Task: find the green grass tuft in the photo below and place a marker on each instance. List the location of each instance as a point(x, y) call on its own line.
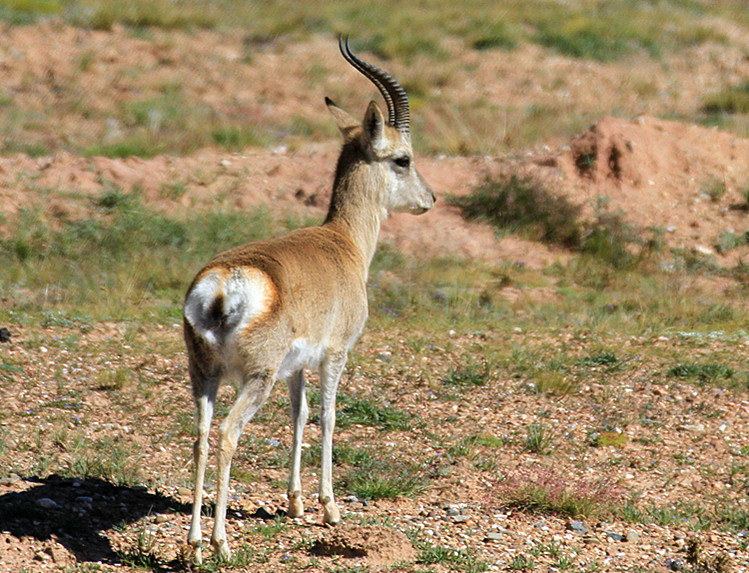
point(539, 439)
point(734, 99)
point(714, 188)
point(705, 373)
point(381, 478)
point(472, 373)
point(521, 563)
point(449, 558)
point(141, 554)
point(236, 138)
point(368, 412)
point(522, 205)
point(137, 146)
point(106, 459)
point(728, 240)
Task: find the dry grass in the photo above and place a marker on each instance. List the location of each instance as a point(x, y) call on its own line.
point(145, 108)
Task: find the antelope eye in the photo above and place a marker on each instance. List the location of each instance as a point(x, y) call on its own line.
point(403, 161)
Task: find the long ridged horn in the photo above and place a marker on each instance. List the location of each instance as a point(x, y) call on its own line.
point(399, 114)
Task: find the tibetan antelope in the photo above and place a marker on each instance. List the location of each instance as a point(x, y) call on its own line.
point(269, 309)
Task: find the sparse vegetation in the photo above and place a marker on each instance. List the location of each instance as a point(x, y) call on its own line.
point(141, 555)
point(368, 413)
point(145, 114)
point(469, 374)
point(608, 438)
point(539, 439)
point(734, 99)
point(744, 193)
point(714, 188)
point(549, 492)
point(729, 240)
point(130, 236)
point(381, 478)
point(521, 563)
point(521, 205)
point(454, 560)
point(706, 373)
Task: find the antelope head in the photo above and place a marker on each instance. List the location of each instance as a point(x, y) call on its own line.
point(385, 145)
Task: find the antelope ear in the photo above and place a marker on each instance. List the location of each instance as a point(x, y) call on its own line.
point(374, 127)
point(346, 124)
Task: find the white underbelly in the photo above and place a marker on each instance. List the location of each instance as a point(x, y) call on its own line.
point(302, 354)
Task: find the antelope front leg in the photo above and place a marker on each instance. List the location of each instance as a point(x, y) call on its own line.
point(252, 395)
point(299, 415)
point(330, 374)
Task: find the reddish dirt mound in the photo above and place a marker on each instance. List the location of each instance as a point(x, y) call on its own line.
point(659, 173)
point(650, 152)
point(380, 546)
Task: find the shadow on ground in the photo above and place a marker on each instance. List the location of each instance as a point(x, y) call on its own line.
point(78, 510)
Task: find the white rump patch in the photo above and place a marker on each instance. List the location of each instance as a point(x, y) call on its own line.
point(245, 293)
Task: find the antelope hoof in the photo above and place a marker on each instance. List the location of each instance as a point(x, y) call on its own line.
point(331, 513)
point(222, 549)
point(193, 553)
point(296, 505)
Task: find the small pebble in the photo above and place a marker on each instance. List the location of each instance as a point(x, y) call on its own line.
point(633, 536)
point(696, 428)
point(578, 527)
point(47, 503)
point(460, 518)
